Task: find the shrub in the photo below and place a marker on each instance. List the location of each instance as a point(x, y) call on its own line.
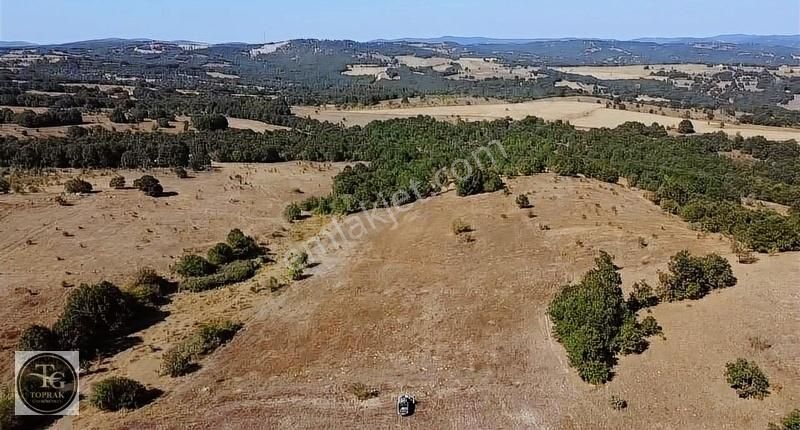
point(37, 338)
point(210, 122)
point(220, 254)
point(213, 335)
point(91, 314)
point(292, 212)
point(193, 265)
point(77, 186)
point(300, 260)
point(117, 182)
point(117, 393)
point(631, 339)
point(243, 246)
point(492, 182)
point(148, 288)
point(5, 186)
point(694, 277)
point(362, 392)
point(163, 123)
point(618, 403)
point(642, 297)
point(522, 201)
point(180, 360)
point(295, 272)
point(650, 327)
point(686, 127)
point(747, 379)
point(155, 190)
point(237, 271)
point(145, 182)
point(460, 226)
point(181, 173)
point(790, 422)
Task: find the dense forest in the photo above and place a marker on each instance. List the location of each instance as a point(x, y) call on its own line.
point(688, 176)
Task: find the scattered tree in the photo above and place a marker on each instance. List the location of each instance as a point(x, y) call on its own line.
point(747, 379)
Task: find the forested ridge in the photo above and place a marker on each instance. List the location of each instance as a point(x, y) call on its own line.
point(688, 176)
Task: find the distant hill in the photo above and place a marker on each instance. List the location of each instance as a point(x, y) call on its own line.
point(15, 44)
point(468, 40)
point(792, 41)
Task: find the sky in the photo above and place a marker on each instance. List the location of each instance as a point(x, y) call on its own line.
point(59, 21)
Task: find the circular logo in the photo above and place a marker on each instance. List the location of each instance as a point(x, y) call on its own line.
point(47, 383)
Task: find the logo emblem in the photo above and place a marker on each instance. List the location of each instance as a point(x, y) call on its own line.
point(46, 383)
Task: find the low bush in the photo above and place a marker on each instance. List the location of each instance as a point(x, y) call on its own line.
point(295, 272)
point(231, 273)
point(117, 393)
point(522, 201)
point(631, 338)
point(149, 185)
point(747, 379)
point(650, 327)
point(790, 422)
point(37, 338)
point(292, 212)
point(5, 186)
point(693, 277)
point(363, 392)
point(182, 358)
point(642, 296)
point(148, 288)
point(300, 259)
point(618, 403)
point(92, 315)
point(117, 182)
point(243, 246)
point(193, 266)
point(176, 362)
point(686, 127)
point(460, 226)
point(220, 254)
point(181, 173)
point(77, 186)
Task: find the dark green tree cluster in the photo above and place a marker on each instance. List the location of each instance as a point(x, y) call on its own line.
point(51, 118)
point(692, 278)
point(593, 322)
point(211, 122)
point(235, 260)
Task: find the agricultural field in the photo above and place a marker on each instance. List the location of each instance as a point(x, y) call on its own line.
point(582, 113)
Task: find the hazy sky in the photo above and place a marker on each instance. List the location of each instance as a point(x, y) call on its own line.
point(52, 21)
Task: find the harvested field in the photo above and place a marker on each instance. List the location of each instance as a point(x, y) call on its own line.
point(257, 126)
point(471, 68)
point(46, 249)
point(407, 309)
point(639, 72)
point(579, 113)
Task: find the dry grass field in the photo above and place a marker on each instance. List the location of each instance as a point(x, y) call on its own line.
point(472, 68)
point(47, 249)
point(639, 72)
point(580, 112)
point(412, 308)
